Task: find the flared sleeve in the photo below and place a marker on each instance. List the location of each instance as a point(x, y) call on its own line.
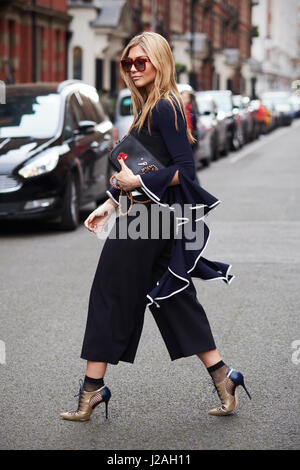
point(114, 194)
point(191, 204)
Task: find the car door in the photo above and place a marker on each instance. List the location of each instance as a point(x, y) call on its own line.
point(79, 143)
point(98, 143)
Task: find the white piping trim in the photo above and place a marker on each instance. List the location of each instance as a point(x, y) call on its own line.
point(193, 277)
point(111, 196)
point(147, 189)
point(185, 220)
point(197, 259)
point(157, 200)
point(219, 277)
point(206, 205)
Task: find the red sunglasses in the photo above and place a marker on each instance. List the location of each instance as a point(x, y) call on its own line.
point(139, 63)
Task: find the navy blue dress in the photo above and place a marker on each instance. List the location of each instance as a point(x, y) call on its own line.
point(157, 273)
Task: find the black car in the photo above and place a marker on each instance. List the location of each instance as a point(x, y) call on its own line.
point(54, 147)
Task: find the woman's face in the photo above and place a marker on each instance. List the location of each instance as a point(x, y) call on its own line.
point(141, 79)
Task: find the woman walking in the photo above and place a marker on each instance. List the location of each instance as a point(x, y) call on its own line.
point(154, 271)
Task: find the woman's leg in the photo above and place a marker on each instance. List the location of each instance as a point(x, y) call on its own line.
point(95, 370)
point(210, 358)
point(94, 375)
point(214, 365)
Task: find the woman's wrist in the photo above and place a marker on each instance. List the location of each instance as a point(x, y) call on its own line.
point(137, 181)
point(111, 202)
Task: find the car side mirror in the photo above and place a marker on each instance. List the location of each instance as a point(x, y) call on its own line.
point(85, 127)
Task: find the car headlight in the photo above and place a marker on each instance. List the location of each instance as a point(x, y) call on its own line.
point(45, 163)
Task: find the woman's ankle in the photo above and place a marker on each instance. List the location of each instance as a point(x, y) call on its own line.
point(90, 384)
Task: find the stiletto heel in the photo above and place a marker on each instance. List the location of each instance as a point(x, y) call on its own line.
point(238, 379)
point(228, 392)
point(106, 394)
point(87, 402)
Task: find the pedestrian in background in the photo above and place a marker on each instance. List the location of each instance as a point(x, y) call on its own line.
point(260, 117)
point(158, 270)
point(191, 117)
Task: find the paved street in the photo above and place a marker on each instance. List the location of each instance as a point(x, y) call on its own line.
point(46, 276)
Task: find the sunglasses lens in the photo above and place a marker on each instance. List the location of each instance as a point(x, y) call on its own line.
point(140, 65)
point(126, 65)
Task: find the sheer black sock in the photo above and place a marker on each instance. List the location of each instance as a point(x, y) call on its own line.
point(90, 384)
point(218, 374)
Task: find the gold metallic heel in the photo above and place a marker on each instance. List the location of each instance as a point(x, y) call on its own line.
point(87, 402)
point(229, 402)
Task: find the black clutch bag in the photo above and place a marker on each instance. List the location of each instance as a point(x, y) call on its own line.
point(137, 158)
point(135, 155)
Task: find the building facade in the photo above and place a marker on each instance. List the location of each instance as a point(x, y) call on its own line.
point(210, 39)
point(276, 49)
point(49, 40)
point(33, 37)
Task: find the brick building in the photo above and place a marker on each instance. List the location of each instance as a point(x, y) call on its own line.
point(210, 39)
point(33, 35)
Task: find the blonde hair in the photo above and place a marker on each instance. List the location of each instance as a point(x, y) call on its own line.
point(159, 52)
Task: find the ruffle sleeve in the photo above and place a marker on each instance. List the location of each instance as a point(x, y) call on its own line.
point(191, 204)
point(114, 194)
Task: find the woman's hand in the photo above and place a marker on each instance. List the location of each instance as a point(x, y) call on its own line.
point(127, 180)
point(99, 217)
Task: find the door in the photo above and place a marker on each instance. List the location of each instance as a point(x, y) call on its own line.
point(99, 142)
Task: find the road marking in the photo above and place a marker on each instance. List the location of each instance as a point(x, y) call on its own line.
point(266, 140)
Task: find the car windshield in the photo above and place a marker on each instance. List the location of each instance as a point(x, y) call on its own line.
point(223, 101)
point(30, 115)
point(126, 106)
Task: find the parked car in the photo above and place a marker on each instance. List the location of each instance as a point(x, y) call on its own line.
point(242, 104)
point(54, 148)
point(223, 99)
point(124, 117)
point(207, 146)
point(123, 113)
point(295, 102)
point(211, 119)
point(281, 102)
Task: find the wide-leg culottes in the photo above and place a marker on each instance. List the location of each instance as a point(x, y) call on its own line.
point(127, 270)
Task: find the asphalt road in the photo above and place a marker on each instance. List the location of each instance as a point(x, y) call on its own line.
point(46, 277)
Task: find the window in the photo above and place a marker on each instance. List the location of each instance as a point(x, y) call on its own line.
point(77, 109)
point(77, 63)
point(30, 115)
point(88, 108)
point(70, 123)
point(126, 106)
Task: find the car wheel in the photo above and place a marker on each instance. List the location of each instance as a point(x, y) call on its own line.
point(216, 151)
point(235, 143)
point(70, 215)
